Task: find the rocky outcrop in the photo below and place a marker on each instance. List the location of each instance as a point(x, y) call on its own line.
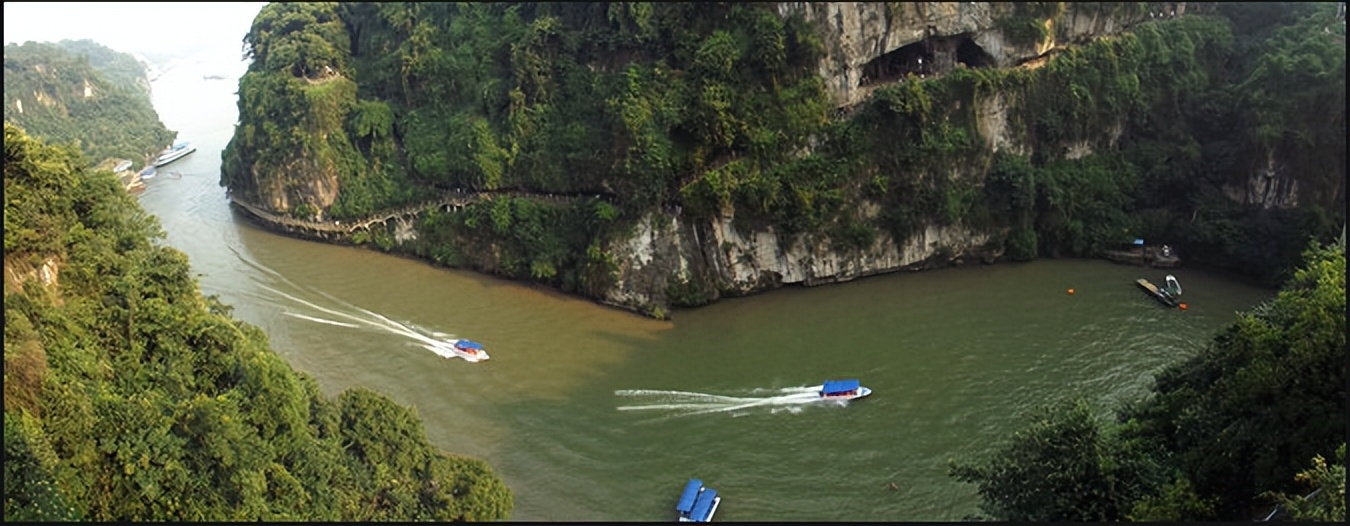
point(19, 272)
point(668, 250)
point(859, 37)
point(1273, 187)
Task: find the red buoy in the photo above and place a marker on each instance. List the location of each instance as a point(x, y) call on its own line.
point(1070, 292)
point(1182, 306)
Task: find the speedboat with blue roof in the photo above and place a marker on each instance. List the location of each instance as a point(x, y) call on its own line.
point(843, 390)
point(697, 503)
point(470, 350)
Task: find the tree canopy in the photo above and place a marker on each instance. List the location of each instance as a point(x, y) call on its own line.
point(1224, 434)
point(83, 93)
point(129, 396)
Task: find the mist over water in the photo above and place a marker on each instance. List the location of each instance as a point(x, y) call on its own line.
point(594, 414)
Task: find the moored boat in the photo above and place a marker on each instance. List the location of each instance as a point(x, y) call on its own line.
point(697, 503)
point(1161, 295)
point(174, 153)
point(843, 390)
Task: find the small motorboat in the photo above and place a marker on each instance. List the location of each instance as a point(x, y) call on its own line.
point(1162, 295)
point(470, 350)
point(843, 390)
point(697, 503)
point(1173, 287)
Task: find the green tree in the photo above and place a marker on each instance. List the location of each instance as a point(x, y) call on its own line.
point(131, 397)
point(1063, 467)
point(1326, 501)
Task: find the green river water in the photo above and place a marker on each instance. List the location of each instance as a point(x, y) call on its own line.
point(591, 413)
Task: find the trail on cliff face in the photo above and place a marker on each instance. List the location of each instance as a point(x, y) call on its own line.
point(684, 403)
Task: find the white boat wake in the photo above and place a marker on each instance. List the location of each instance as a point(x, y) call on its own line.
point(320, 320)
point(437, 342)
point(684, 403)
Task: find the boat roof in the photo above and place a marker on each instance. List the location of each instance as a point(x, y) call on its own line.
point(469, 344)
point(839, 386)
point(687, 498)
point(180, 144)
point(703, 505)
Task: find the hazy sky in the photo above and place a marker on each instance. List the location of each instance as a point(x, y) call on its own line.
point(158, 28)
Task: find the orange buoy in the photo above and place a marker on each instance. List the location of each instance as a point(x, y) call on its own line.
point(1183, 306)
point(1070, 292)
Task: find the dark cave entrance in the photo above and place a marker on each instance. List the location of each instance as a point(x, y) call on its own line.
point(913, 58)
point(972, 55)
point(930, 56)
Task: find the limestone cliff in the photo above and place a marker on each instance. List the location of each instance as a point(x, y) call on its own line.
point(664, 155)
point(862, 39)
point(669, 252)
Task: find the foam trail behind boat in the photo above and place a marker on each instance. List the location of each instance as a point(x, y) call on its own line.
point(377, 321)
point(684, 403)
point(320, 320)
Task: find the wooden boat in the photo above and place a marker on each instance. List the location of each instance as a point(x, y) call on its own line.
point(1161, 295)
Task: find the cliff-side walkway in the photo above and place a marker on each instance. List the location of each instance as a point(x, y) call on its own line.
point(339, 228)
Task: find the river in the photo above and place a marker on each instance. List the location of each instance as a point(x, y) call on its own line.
point(591, 413)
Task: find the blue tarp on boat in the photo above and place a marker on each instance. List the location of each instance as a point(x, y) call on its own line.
point(703, 505)
point(469, 344)
point(686, 503)
point(839, 386)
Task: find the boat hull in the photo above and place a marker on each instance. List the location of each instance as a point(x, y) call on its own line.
point(862, 392)
point(174, 156)
point(478, 356)
point(1158, 294)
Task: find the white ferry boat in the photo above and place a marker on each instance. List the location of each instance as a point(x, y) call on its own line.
point(174, 153)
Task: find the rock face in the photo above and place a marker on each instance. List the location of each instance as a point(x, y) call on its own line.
point(668, 249)
point(930, 38)
point(866, 45)
point(671, 258)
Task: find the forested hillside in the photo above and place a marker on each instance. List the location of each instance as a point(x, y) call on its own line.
point(1221, 132)
point(84, 93)
point(1248, 423)
point(128, 396)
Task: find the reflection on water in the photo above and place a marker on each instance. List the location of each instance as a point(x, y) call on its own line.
point(955, 359)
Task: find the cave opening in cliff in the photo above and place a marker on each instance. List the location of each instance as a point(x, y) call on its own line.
point(892, 66)
point(972, 55)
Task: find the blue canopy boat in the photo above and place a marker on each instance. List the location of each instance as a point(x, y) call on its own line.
point(697, 504)
point(843, 389)
point(471, 350)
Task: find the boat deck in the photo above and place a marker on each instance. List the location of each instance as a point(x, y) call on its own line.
point(1156, 292)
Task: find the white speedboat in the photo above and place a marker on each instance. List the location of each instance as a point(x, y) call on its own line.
point(174, 153)
point(469, 350)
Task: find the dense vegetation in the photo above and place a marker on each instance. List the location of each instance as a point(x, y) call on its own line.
point(709, 106)
point(84, 93)
point(128, 396)
point(1245, 424)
